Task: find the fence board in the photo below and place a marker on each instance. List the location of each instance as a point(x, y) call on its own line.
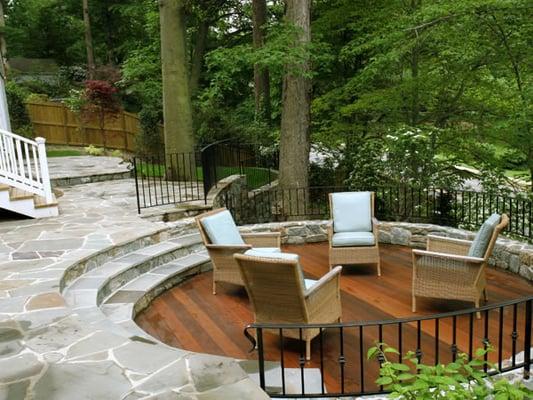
point(59, 125)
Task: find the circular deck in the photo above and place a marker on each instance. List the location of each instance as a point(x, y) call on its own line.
point(190, 317)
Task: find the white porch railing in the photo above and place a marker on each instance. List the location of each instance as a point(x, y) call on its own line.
point(23, 164)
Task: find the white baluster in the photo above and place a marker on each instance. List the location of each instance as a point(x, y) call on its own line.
point(43, 163)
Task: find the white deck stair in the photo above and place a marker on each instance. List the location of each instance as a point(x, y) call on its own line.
point(24, 179)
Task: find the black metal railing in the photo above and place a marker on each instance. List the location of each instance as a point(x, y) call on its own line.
point(183, 177)
point(168, 179)
point(339, 351)
point(456, 208)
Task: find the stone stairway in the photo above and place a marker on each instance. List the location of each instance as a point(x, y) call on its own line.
point(124, 285)
point(26, 203)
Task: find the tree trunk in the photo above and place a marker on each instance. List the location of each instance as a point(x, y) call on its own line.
point(177, 111)
point(296, 115)
point(261, 76)
point(198, 55)
point(3, 47)
point(88, 39)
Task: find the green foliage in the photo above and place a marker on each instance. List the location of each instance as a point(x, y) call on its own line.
point(461, 379)
point(16, 102)
point(94, 151)
point(149, 142)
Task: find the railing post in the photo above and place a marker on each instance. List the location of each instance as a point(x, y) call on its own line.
point(43, 166)
point(527, 341)
point(261, 358)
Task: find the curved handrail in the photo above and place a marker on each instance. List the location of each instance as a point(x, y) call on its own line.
point(18, 137)
point(391, 321)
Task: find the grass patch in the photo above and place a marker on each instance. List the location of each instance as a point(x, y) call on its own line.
point(63, 153)
point(256, 177)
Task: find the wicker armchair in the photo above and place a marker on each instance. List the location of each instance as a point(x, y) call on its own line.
point(279, 293)
point(445, 270)
point(353, 233)
point(222, 246)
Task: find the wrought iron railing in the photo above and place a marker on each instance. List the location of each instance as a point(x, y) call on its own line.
point(339, 351)
point(456, 208)
point(183, 177)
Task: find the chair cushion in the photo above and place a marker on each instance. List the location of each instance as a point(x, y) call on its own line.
point(308, 283)
point(352, 212)
point(268, 249)
point(258, 252)
point(221, 229)
point(482, 239)
point(348, 239)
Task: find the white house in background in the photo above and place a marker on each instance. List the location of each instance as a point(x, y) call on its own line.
point(24, 179)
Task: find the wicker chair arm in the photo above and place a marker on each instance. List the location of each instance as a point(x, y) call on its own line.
point(446, 256)
point(441, 244)
point(262, 239)
point(323, 300)
point(228, 247)
point(331, 276)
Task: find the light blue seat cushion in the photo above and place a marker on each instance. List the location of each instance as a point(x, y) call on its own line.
point(308, 283)
point(256, 252)
point(268, 249)
point(352, 212)
point(352, 239)
point(221, 229)
point(482, 239)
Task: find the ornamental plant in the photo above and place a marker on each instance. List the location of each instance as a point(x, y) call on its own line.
point(461, 379)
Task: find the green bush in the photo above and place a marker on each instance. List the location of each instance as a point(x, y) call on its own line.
point(94, 151)
point(149, 141)
point(461, 379)
point(18, 114)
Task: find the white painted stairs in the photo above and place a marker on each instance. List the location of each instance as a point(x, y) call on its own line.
point(26, 203)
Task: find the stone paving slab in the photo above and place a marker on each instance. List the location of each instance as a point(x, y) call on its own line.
point(57, 347)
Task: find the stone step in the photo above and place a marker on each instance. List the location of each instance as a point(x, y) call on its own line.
point(91, 288)
point(293, 382)
point(124, 304)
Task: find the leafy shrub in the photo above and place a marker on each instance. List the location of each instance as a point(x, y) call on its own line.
point(102, 94)
point(94, 151)
point(20, 119)
point(461, 379)
point(149, 141)
point(76, 100)
point(116, 153)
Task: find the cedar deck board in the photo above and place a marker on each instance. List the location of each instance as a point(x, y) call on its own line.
point(189, 316)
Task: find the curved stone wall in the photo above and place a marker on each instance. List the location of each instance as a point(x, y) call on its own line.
point(508, 254)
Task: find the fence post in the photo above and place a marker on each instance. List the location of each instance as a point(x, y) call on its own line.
point(206, 172)
point(43, 165)
point(136, 185)
point(261, 357)
point(527, 341)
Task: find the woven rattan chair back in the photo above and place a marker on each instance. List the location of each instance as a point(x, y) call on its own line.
point(275, 288)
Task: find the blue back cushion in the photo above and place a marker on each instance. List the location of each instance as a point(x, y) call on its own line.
point(481, 241)
point(221, 228)
point(352, 212)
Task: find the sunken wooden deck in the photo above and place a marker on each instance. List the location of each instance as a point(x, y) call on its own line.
point(191, 317)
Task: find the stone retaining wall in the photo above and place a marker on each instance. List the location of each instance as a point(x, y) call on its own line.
point(508, 254)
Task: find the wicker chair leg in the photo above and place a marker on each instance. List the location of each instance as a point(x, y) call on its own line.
point(414, 303)
point(379, 267)
point(214, 286)
point(308, 349)
point(485, 295)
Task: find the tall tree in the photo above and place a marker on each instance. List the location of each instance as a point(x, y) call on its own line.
point(296, 113)
point(177, 111)
point(88, 39)
point(3, 46)
point(261, 75)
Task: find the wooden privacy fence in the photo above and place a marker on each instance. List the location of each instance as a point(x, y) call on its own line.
point(59, 125)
